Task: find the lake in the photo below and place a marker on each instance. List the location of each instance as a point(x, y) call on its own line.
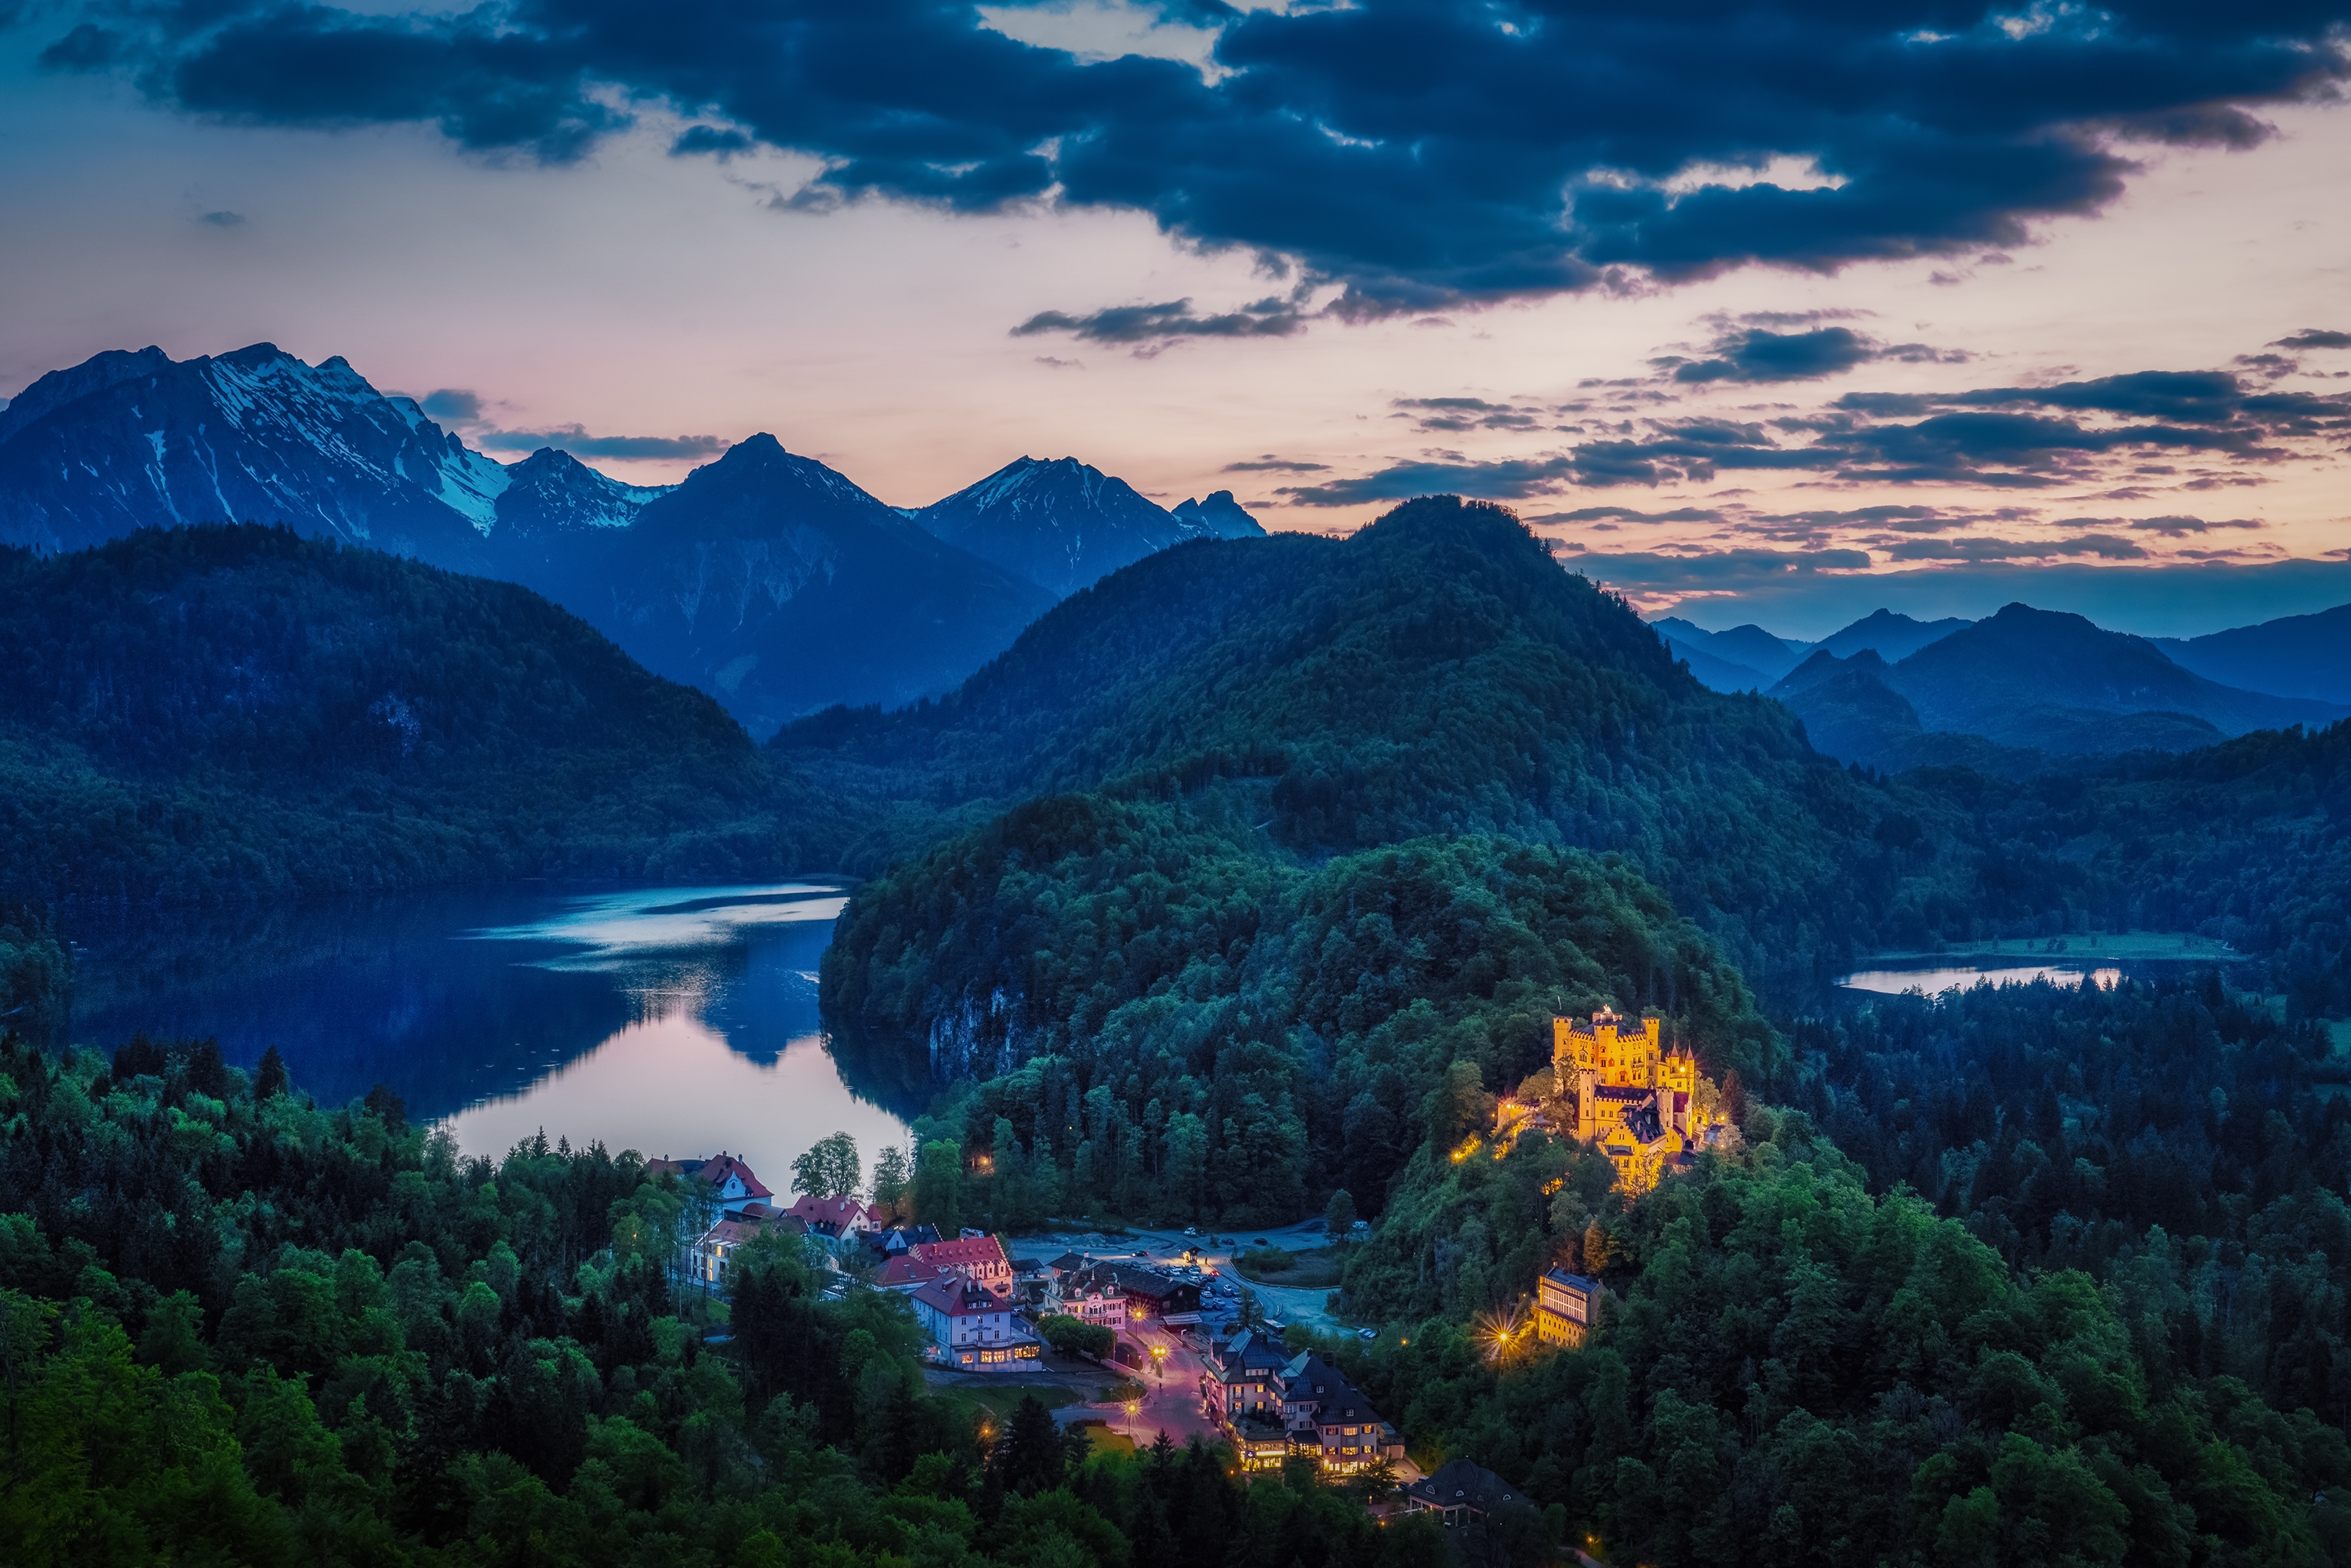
point(675, 1022)
point(1935, 982)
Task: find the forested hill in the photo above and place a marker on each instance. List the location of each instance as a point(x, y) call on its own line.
point(1435, 673)
point(230, 711)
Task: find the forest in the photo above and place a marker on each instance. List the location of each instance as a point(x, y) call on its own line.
point(221, 713)
point(239, 1327)
point(1243, 881)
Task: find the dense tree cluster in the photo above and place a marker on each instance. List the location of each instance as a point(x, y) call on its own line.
point(1197, 1032)
point(237, 1327)
point(1798, 1371)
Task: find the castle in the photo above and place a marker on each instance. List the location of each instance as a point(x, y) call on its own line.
point(1638, 1101)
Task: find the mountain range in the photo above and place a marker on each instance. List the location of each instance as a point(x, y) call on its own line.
point(1748, 658)
point(2009, 693)
point(767, 580)
point(1065, 525)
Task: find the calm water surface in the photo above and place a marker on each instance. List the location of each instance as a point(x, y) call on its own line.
point(677, 1021)
point(1935, 982)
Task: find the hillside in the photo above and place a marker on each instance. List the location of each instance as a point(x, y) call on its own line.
point(2025, 691)
point(1434, 673)
point(2024, 675)
point(226, 712)
point(2296, 656)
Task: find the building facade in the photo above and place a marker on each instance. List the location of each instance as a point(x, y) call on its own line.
point(970, 1325)
point(1564, 1304)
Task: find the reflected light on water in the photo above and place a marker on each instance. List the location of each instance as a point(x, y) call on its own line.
point(1935, 982)
point(688, 1094)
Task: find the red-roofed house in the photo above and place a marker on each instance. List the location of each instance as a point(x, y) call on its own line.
point(833, 1216)
point(905, 1275)
point(970, 1325)
point(730, 1181)
point(980, 1258)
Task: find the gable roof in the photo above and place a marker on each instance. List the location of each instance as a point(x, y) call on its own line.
point(836, 1212)
point(958, 1297)
point(1325, 1387)
point(1458, 1483)
point(964, 1252)
point(712, 1172)
point(904, 1271)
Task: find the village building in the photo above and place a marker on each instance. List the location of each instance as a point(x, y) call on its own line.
point(978, 1258)
point(1242, 1380)
point(727, 1180)
point(905, 1275)
point(1564, 1304)
point(970, 1325)
point(1271, 1409)
point(1152, 1294)
point(1460, 1493)
point(885, 1244)
point(714, 1250)
point(833, 1218)
point(1329, 1419)
point(1086, 1291)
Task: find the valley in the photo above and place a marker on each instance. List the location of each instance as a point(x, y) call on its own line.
point(1250, 879)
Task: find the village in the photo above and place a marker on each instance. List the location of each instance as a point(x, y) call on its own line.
point(1194, 1349)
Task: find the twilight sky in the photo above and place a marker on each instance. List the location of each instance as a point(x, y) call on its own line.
point(1776, 311)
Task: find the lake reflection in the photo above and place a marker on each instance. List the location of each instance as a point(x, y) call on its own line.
point(1935, 982)
point(671, 1020)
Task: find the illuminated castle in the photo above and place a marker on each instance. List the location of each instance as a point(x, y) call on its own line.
point(1638, 1101)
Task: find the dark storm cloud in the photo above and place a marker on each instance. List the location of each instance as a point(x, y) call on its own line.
point(1715, 570)
point(1511, 479)
point(452, 404)
point(1421, 154)
point(2014, 439)
point(1757, 355)
point(1153, 326)
point(1269, 464)
point(576, 440)
point(223, 219)
point(2105, 547)
point(1629, 515)
point(715, 141)
point(2315, 338)
point(1457, 413)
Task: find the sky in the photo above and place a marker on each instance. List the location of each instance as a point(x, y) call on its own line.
point(1774, 312)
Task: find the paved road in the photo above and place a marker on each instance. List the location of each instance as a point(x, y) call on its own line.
point(1172, 1403)
point(1290, 1304)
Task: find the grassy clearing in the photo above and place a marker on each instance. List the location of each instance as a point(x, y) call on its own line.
point(1291, 1271)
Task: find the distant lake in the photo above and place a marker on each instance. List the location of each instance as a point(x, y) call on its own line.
point(676, 1020)
point(1935, 982)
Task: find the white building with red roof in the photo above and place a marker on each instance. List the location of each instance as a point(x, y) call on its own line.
point(730, 1180)
point(970, 1325)
point(978, 1258)
point(833, 1216)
